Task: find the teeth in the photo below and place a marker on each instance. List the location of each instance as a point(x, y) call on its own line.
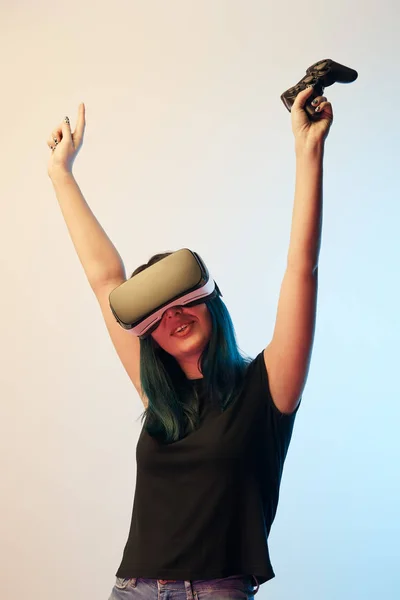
point(181, 328)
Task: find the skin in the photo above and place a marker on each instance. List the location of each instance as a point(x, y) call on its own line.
point(288, 355)
point(187, 350)
point(299, 281)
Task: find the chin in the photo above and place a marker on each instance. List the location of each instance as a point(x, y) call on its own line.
point(189, 345)
point(193, 345)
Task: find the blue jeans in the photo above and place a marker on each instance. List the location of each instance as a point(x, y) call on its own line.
point(237, 587)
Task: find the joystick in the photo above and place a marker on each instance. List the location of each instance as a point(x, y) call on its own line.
point(320, 75)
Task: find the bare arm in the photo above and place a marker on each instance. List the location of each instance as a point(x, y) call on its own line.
point(288, 356)
point(98, 256)
point(103, 267)
point(100, 260)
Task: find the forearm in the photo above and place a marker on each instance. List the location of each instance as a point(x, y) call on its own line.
point(97, 254)
point(305, 236)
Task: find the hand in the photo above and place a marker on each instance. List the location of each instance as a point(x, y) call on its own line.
point(307, 133)
point(66, 144)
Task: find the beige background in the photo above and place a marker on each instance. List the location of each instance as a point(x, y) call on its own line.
point(188, 144)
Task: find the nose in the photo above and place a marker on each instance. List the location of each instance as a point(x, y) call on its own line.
point(172, 311)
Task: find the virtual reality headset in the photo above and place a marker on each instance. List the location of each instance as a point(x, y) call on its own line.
point(180, 279)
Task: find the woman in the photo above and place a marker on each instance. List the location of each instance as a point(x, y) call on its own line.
point(210, 455)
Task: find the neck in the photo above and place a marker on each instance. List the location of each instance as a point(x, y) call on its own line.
point(190, 367)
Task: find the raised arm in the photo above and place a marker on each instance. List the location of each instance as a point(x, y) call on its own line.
point(100, 260)
point(288, 355)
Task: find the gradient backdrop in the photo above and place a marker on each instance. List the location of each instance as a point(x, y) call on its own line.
point(188, 144)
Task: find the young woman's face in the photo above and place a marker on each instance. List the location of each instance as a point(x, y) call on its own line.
point(185, 345)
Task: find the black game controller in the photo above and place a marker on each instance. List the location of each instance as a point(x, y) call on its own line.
point(320, 75)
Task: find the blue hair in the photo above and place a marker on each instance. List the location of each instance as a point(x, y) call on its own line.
point(173, 402)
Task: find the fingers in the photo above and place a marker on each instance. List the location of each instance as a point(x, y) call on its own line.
point(318, 100)
point(64, 130)
point(80, 124)
point(302, 98)
point(318, 103)
point(322, 106)
point(55, 138)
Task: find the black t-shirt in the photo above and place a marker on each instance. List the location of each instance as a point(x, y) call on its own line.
point(204, 505)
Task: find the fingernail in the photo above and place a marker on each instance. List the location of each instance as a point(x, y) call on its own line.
point(315, 101)
point(66, 120)
point(318, 109)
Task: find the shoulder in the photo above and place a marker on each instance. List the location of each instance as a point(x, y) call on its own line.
point(278, 384)
point(262, 381)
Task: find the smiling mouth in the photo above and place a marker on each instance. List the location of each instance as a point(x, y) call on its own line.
point(182, 329)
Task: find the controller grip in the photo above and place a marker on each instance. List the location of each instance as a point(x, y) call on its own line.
point(320, 75)
point(288, 100)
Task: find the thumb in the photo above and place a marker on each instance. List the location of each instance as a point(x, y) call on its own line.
point(302, 98)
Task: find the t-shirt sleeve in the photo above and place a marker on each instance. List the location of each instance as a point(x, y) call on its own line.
point(279, 425)
point(262, 378)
